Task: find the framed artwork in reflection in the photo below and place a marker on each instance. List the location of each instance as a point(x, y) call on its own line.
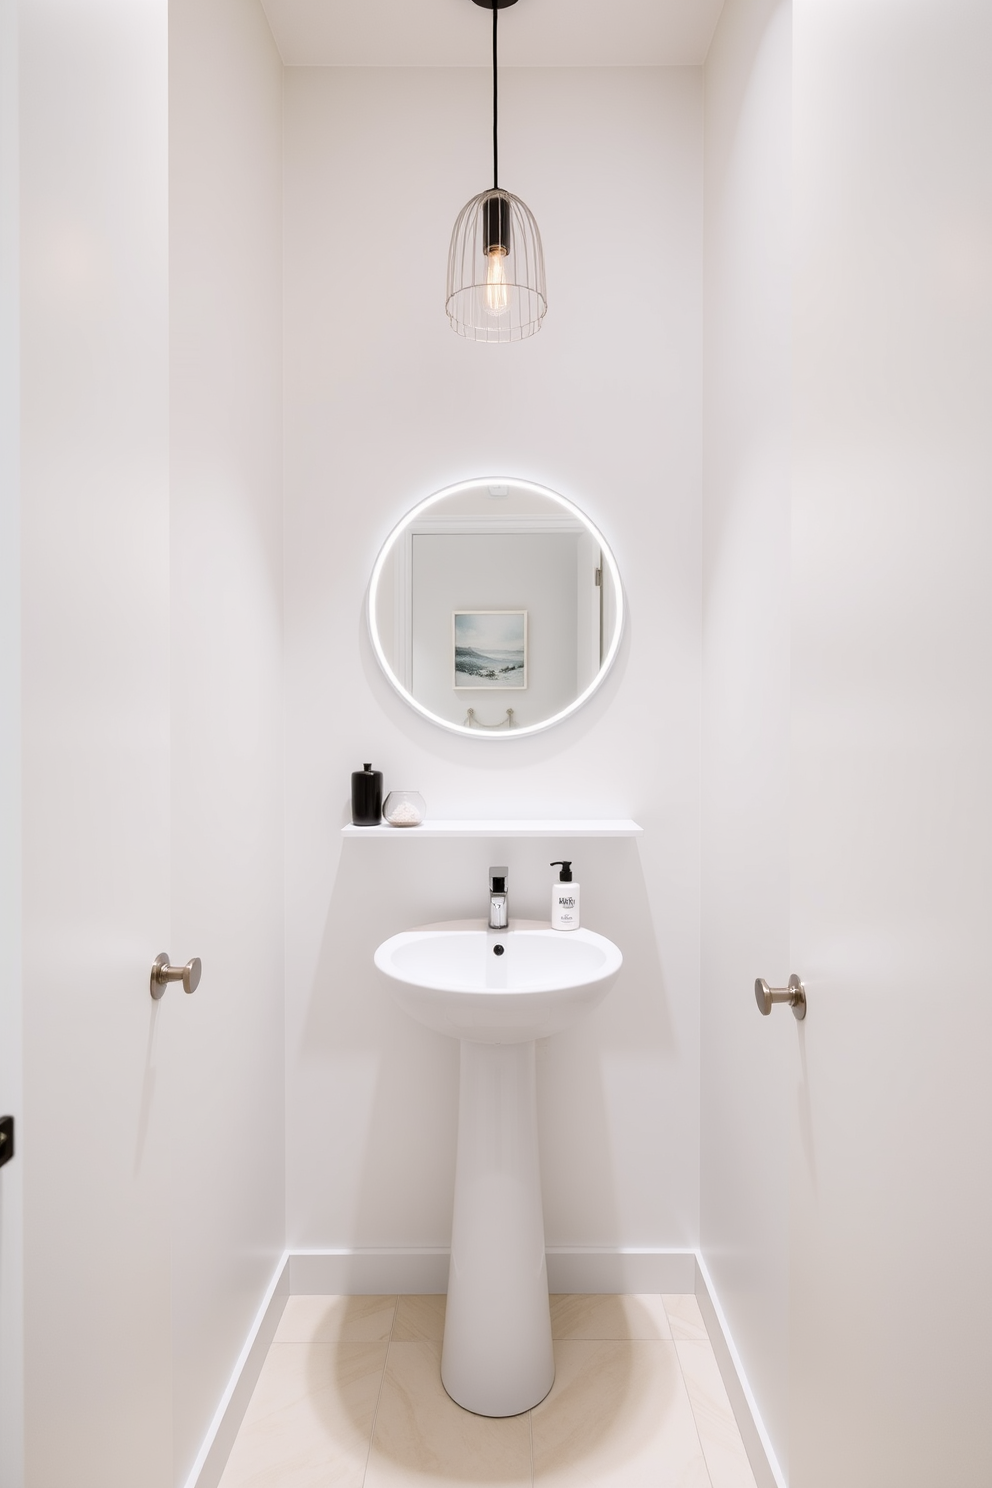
point(489, 650)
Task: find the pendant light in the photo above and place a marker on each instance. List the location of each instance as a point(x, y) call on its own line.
point(496, 289)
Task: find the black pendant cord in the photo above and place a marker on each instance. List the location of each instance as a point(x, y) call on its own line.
point(495, 100)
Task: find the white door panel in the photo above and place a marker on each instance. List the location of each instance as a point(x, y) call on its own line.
point(891, 869)
point(95, 570)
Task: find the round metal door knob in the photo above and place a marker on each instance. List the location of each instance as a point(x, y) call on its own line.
point(163, 974)
point(794, 996)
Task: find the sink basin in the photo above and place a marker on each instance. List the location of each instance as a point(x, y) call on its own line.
point(497, 991)
point(498, 986)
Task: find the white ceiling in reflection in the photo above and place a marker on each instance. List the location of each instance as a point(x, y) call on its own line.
point(456, 33)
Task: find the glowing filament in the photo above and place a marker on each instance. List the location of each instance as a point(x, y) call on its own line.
point(497, 291)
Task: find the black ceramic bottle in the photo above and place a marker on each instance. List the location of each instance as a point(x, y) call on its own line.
point(366, 797)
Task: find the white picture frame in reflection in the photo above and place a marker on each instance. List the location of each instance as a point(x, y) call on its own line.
point(489, 650)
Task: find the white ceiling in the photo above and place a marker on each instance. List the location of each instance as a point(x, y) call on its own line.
point(457, 33)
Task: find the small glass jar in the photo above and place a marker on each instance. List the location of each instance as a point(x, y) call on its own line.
point(404, 808)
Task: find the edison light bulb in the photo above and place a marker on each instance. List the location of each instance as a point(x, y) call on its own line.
point(497, 292)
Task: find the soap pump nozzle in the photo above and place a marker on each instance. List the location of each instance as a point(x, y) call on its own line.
point(565, 876)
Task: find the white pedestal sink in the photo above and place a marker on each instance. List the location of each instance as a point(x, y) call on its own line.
point(497, 991)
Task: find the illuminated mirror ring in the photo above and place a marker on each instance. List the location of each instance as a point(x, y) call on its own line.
point(495, 608)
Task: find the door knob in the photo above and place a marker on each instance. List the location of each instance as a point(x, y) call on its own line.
point(794, 995)
point(163, 974)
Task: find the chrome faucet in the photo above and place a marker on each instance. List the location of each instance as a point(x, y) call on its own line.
point(499, 917)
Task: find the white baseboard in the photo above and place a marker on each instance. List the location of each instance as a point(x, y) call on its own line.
point(757, 1443)
point(358, 1273)
point(570, 1269)
point(208, 1468)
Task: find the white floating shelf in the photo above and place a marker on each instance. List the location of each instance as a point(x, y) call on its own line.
point(531, 827)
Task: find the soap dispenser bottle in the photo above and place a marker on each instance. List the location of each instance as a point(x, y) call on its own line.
point(564, 900)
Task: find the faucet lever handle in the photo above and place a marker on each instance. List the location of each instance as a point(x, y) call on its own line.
point(497, 879)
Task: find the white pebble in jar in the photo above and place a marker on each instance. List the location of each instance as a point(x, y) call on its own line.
point(404, 808)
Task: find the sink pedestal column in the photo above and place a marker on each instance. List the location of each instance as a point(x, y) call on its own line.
point(497, 1358)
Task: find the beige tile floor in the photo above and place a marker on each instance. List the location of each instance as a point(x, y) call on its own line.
point(350, 1396)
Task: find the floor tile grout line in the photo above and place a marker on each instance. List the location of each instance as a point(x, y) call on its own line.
point(685, 1384)
point(382, 1381)
point(729, 1418)
point(692, 1406)
point(533, 1464)
point(692, 1411)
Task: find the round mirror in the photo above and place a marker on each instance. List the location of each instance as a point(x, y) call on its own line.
point(495, 608)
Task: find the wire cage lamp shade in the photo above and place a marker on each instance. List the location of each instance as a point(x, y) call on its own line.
point(496, 289)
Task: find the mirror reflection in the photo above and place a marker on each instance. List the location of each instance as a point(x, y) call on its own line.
point(495, 607)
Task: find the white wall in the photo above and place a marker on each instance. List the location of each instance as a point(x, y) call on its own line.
point(95, 574)
point(746, 1068)
point(227, 1130)
point(892, 738)
point(384, 405)
point(11, 1037)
